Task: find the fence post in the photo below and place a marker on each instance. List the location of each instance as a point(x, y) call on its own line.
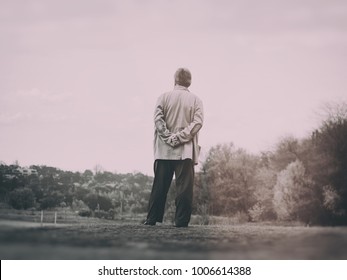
point(55, 218)
point(41, 218)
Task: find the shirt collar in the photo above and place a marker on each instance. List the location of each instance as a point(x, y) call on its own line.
point(179, 87)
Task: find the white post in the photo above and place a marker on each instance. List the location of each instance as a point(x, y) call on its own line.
point(55, 217)
point(41, 217)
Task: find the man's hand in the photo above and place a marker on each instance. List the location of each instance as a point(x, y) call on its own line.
point(173, 141)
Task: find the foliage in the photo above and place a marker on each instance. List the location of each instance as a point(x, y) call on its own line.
point(264, 182)
point(85, 213)
point(52, 188)
point(22, 198)
point(98, 202)
point(51, 201)
point(109, 215)
point(229, 176)
point(294, 197)
point(287, 151)
point(201, 198)
point(330, 143)
point(332, 200)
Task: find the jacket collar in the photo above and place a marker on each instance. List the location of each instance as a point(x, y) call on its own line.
point(179, 87)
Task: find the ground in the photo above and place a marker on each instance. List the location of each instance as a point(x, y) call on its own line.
point(131, 240)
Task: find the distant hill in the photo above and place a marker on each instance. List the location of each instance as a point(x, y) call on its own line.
point(44, 187)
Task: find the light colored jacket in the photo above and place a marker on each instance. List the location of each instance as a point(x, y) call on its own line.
point(179, 114)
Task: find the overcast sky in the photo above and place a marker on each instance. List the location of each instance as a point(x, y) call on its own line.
point(79, 79)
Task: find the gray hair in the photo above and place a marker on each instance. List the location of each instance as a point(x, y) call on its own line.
point(183, 77)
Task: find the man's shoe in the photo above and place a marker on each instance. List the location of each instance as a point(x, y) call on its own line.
point(179, 226)
point(149, 223)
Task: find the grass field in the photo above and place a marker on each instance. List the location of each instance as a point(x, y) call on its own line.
point(102, 239)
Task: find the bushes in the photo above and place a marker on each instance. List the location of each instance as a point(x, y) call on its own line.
point(22, 198)
point(85, 213)
point(98, 202)
point(109, 215)
point(52, 200)
point(294, 197)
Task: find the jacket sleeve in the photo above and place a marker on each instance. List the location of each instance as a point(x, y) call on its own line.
point(167, 136)
point(193, 128)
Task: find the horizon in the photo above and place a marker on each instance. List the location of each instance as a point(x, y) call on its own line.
point(197, 169)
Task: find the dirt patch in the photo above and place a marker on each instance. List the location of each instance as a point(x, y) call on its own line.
point(110, 240)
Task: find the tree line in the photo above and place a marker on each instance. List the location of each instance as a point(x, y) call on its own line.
point(91, 193)
point(300, 180)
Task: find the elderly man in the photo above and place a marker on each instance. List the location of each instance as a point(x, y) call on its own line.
point(178, 118)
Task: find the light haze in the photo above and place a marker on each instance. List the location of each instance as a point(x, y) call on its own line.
point(79, 79)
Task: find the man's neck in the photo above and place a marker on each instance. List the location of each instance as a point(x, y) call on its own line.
point(181, 87)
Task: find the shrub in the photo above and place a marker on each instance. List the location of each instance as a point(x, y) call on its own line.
point(85, 213)
point(104, 215)
point(22, 198)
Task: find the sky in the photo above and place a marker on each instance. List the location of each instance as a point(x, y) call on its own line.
point(79, 79)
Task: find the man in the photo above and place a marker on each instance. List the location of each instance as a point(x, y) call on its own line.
point(178, 118)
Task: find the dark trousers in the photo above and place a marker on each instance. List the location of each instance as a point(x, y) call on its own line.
point(163, 174)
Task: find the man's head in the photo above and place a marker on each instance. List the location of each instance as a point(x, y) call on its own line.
point(183, 77)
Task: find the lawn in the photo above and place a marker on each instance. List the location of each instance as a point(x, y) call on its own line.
point(102, 239)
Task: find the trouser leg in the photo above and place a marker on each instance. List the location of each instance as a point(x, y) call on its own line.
point(184, 172)
point(163, 173)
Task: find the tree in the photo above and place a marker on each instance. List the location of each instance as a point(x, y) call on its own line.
point(201, 199)
point(51, 200)
point(91, 200)
point(330, 145)
point(294, 196)
point(22, 198)
point(264, 182)
point(287, 151)
point(98, 202)
point(98, 169)
point(7, 185)
point(229, 175)
point(103, 177)
point(104, 202)
point(88, 174)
